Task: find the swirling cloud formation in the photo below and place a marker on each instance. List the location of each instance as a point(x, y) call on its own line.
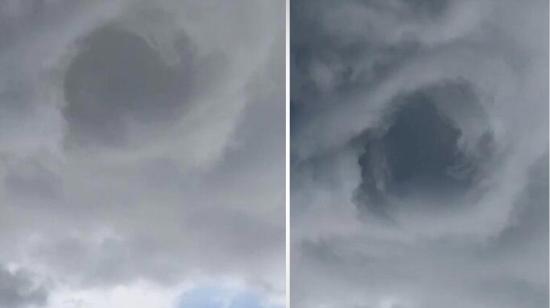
point(419, 157)
point(134, 141)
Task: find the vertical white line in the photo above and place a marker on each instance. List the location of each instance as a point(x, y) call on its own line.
point(287, 152)
point(548, 228)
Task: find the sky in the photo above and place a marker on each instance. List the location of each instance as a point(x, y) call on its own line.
point(419, 153)
point(142, 153)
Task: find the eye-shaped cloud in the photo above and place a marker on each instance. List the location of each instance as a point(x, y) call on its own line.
point(141, 148)
point(419, 148)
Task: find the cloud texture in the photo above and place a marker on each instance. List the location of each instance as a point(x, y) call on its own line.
point(419, 150)
point(141, 148)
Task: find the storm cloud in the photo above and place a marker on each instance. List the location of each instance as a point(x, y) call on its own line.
point(141, 151)
point(419, 153)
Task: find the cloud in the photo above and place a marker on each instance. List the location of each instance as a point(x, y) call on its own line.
point(18, 289)
point(418, 140)
point(134, 143)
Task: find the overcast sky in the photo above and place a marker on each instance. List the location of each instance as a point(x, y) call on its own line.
point(419, 154)
point(141, 153)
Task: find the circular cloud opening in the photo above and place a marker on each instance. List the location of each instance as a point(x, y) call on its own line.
point(117, 80)
point(419, 154)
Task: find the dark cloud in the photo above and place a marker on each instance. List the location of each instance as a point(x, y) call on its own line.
point(117, 79)
point(417, 127)
point(17, 289)
point(415, 152)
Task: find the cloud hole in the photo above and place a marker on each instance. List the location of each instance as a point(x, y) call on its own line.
point(417, 152)
point(115, 79)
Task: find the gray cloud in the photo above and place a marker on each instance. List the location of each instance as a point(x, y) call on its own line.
point(142, 142)
point(117, 75)
point(17, 289)
point(419, 146)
